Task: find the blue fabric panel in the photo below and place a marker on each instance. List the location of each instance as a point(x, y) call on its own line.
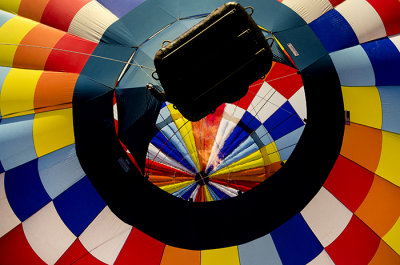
point(221, 195)
point(4, 17)
point(181, 191)
point(140, 23)
point(287, 143)
point(107, 71)
point(188, 8)
point(247, 125)
point(283, 121)
point(87, 89)
point(246, 148)
point(79, 205)
point(259, 251)
point(120, 7)
point(390, 98)
point(16, 141)
point(161, 142)
point(334, 32)
point(212, 193)
point(60, 170)
point(3, 74)
point(353, 67)
point(25, 191)
point(263, 135)
point(304, 41)
point(295, 242)
point(273, 15)
point(137, 76)
point(151, 46)
point(285, 152)
point(385, 59)
point(189, 192)
point(1, 168)
point(172, 133)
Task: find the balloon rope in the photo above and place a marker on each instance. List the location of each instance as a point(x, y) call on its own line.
point(28, 111)
point(76, 52)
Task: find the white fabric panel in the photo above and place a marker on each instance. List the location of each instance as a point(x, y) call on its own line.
point(115, 111)
point(326, 216)
point(366, 22)
point(230, 118)
point(396, 41)
point(231, 192)
point(194, 193)
point(8, 219)
point(298, 102)
point(47, 234)
point(154, 154)
point(322, 259)
point(266, 102)
point(105, 236)
point(91, 21)
point(309, 10)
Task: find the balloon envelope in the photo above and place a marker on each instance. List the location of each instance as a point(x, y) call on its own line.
point(64, 63)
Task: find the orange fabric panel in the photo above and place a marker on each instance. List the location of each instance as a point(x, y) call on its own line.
point(178, 256)
point(54, 91)
point(163, 180)
point(32, 57)
point(258, 174)
point(32, 9)
point(362, 145)
point(205, 132)
point(380, 209)
point(253, 174)
point(385, 255)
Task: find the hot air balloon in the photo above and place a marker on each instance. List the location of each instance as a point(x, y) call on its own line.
point(95, 170)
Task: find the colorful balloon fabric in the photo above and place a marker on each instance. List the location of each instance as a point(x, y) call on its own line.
point(302, 170)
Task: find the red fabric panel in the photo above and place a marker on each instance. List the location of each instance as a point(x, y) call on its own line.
point(389, 11)
point(78, 255)
point(284, 79)
point(356, 245)
point(59, 13)
point(244, 102)
point(349, 182)
point(72, 62)
point(15, 249)
point(200, 195)
point(140, 249)
point(335, 2)
point(239, 185)
point(161, 169)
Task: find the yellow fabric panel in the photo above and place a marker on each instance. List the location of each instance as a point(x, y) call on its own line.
point(18, 91)
point(364, 104)
point(263, 157)
point(12, 32)
point(388, 167)
point(251, 161)
point(186, 131)
point(220, 256)
point(392, 238)
point(270, 154)
point(174, 187)
point(53, 130)
point(10, 6)
point(208, 194)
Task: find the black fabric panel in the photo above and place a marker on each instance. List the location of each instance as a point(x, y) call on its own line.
point(137, 115)
point(221, 223)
